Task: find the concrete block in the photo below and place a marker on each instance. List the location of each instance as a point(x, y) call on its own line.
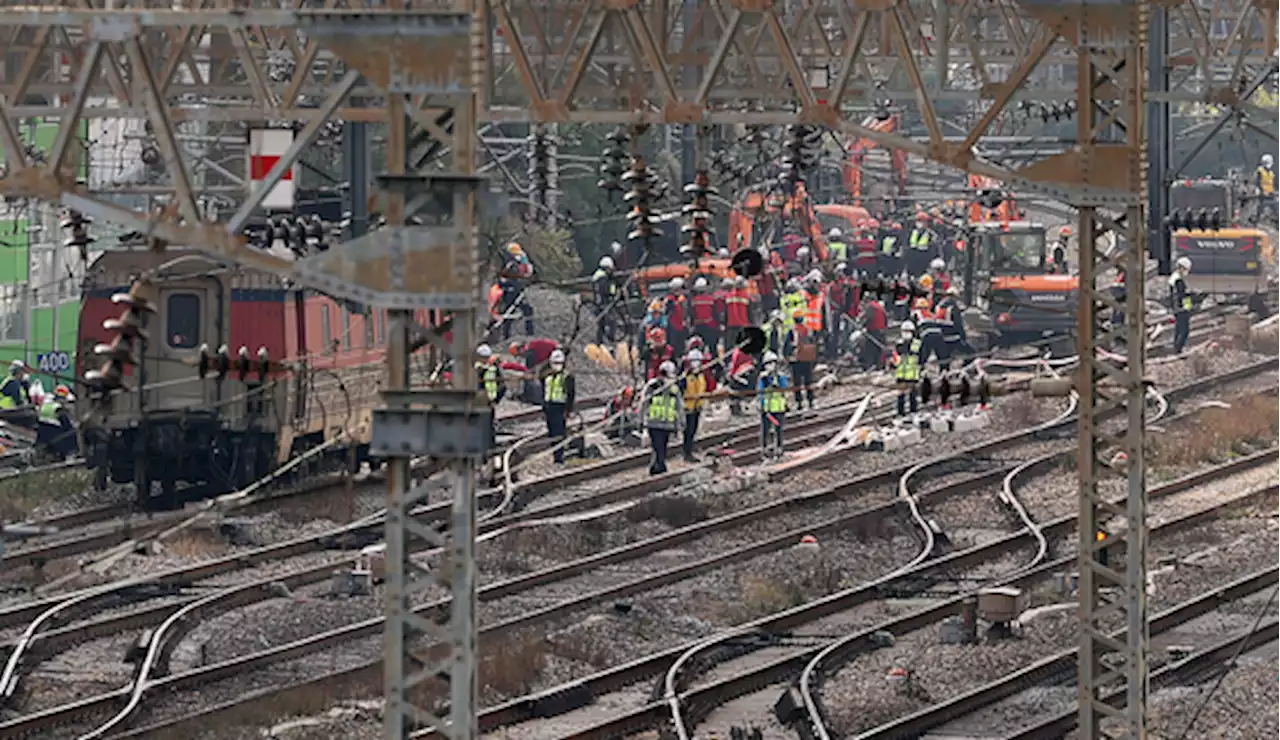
point(972, 422)
point(911, 436)
point(940, 424)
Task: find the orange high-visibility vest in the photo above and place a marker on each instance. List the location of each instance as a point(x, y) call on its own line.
point(813, 313)
point(495, 301)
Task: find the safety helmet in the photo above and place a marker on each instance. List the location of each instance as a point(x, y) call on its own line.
point(835, 233)
point(658, 335)
point(770, 358)
point(722, 252)
point(700, 283)
point(1267, 160)
point(793, 285)
point(616, 247)
point(922, 303)
point(17, 366)
point(557, 357)
point(677, 283)
point(726, 283)
point(922, 216)
point(953, 290)
point(516, 348)
point(655, 306)
point(606, 263)
point(775, 315)
point(814, 276)
point(484, 351)
point(1065, 231)
point(62, 391)
point(694, 342)
point(667, 368)
point(694, 355)
point(842, 266)
point(926, 282)
point(873, 224)
point(908, 327)
point(937, 264)
point(740, 282)
point(1184, 263)
point(514, 249)
point(802, 252)
point(628, 393)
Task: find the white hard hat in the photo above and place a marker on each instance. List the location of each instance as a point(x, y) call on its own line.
point(722, 252)
point(1267, 160)
point(814, 276)
point(1184, 263)
point(17, 365)
point(953, 290)
point(842, 266)
point(793, 284)
point(695, 355)
point(802, 252)
point(937, 264)
point(769, 357)
point(776, 315)
point(484, 350)
point(740, 281)
point(606, 263)
point(700, 283)
point(677, 283)
point(616, 247)
point(726, 283)
point(908, 327)
point(667, 368)
point(557, 355)
point(835, 233)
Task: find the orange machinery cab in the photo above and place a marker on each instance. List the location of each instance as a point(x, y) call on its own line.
point(1011, 296)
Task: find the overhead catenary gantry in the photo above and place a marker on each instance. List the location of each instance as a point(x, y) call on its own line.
point(965, 68)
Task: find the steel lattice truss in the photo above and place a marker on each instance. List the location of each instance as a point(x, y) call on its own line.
point(964, 68)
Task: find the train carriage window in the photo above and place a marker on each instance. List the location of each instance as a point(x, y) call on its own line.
point(326, 330)
point(182, 313)
point(346, 328)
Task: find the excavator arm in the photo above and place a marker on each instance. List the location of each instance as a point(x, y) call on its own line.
point(858, 154)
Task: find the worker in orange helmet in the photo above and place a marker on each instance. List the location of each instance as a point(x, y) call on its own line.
point(1058, 255)
point(656, 351)
point(624, 424)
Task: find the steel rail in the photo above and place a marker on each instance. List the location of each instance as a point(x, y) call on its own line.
point(528, 707)
point(781, 669)
point(676, 678)
point(1061, 665)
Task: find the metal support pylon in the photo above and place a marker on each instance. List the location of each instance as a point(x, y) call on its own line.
point(1111, 92)
point(430, 664)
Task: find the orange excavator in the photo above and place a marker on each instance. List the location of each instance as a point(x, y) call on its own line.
point(756, 209)
point(1009, 286)
point(852, 171)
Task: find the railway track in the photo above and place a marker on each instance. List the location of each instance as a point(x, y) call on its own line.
point(776, 669)
point(195, 677)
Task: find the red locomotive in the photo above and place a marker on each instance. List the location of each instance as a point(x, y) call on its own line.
point(200, 408)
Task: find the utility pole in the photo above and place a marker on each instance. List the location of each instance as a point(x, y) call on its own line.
point(452, 425)
point(355, 164)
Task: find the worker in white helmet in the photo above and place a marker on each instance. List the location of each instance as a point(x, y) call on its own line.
point(558, 394)
point(1266, 184)
point(490, 374)
point(906, 367)
point(837, 248)
point(678, 315)
point(604, 284)
point(696, 383)
point(15, 390)
point(1181, 302)
point(662, 414)
point(772, 390)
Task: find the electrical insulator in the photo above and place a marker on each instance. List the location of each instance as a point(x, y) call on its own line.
point(314, 232)
point(697, 213)
point(131, 335)
point(643, 183)
point(613, 162)
point(77, 226)
point(800, 153)
point(1195, 219)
